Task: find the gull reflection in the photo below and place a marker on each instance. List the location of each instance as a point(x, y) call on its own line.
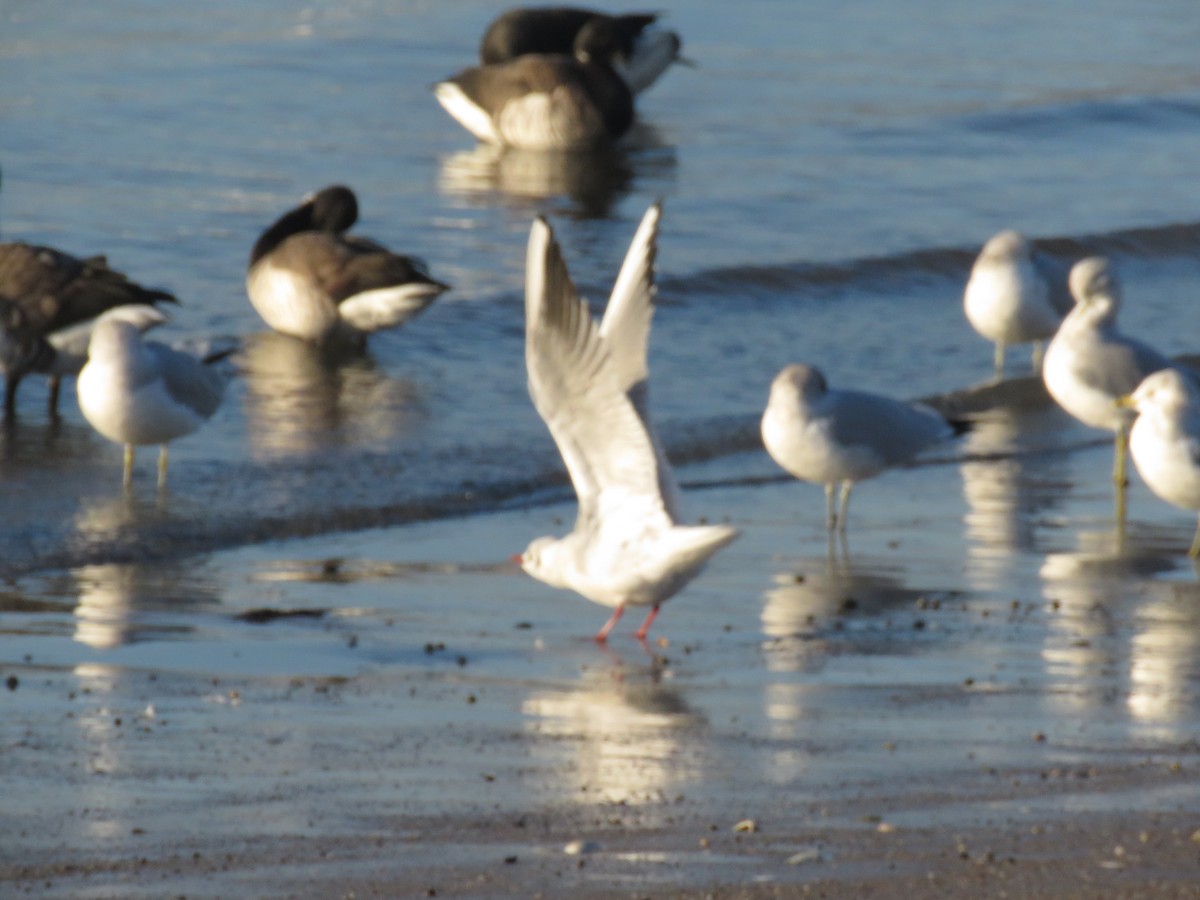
point(1093, 593)
point(1164, 665)
point(124, 603)
point(301, 399)
point(810, 603)
point(627, 731)
point(1010, 481)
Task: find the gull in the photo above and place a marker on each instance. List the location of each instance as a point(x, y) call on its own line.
point(49, 301)
point(588, 383)
point(1089, 364)
point(309, 279)
point(1014, 297)
point(545, 101)
point(1165, 439)
point(137, 392)
point(644, 52)
point(834, 437)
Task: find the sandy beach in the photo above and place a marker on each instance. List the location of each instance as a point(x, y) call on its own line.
point(402, 712)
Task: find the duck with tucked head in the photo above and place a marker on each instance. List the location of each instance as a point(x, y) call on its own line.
point(546, 101)
point(309, 279)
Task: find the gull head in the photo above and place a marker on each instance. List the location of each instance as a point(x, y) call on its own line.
point(798, 384)
point(1006, 247)
point(1096, 290)
point(543, 559)
point(1167, 391)
point(113, 339)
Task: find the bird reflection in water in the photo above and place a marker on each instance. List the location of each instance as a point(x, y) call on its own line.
point(811, 602)
point(302, 399)
point(593, 181)
point(127, 603)
point(1012, 479)
point(628, 734)
point(1098, 597)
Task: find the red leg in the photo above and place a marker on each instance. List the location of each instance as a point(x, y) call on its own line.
point(641, 633)
point(602, 635)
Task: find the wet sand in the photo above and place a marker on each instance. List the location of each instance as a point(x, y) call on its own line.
point(987, 691)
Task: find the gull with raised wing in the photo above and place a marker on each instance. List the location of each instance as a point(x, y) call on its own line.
point(834, 437)
point(588, 382)
point(137, 392)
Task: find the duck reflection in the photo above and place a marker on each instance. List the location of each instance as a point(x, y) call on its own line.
point(592, 181)
point(302, 399)
point(626, 729)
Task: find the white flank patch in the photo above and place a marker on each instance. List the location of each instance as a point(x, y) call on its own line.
point(387, 307)
point(289, 304)
point(466, 112)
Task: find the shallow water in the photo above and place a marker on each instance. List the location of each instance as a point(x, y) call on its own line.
point(827, 182)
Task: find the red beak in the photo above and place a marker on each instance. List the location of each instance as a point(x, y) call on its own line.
point(518, 558)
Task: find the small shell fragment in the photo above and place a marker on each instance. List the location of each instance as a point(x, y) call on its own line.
point(748, 825)
point(578, 848)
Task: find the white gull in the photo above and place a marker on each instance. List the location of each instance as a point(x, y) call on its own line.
point(588, 382)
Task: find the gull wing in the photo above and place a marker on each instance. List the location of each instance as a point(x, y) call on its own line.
point(576, 389)
point(625, 330)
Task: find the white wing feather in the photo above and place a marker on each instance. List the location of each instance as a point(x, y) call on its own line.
point(577, 390)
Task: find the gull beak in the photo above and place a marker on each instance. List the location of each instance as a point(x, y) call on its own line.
point(1124, 402)
point(518, 558)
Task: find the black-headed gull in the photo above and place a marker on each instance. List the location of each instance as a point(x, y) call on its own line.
point(309, 279)
point(1013, 296)
point(588, 382)
point(48, 303)
point(137, 392)
point(1089, 364)
point(645, 51)
point(1165, 439)
point(545, 101)
point(834, 437)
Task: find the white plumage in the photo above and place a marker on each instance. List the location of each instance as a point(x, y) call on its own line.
point(834, 437)
point(588, 382)
point(1011, 298)
point(1165, 440)
point(136, 393)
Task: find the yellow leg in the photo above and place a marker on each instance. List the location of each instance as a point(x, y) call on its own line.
point(830, 515)
point(1039, 348)
point(127, 472)
point(1120, 481)
point(162, 466)
point(998, 359)
point(844, 506)
point(1195, 551)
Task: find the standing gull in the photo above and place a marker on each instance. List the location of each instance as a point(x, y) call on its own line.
point(1165, 440)
point(588, 382)
point(309, 279)
point(136, 392)
point(833, 437)
point(49, 301)
point(1014, 297)
point(1089, 364)
point(645, 52)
